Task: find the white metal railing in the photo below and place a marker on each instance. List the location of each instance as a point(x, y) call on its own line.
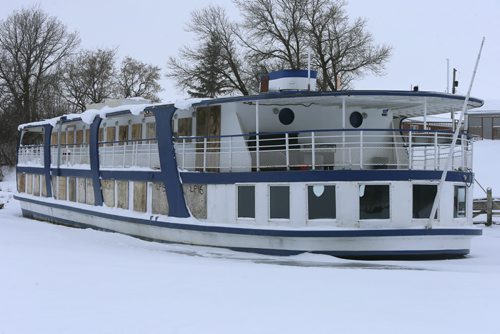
point(133, 153)
point(30, 155)
point(323, 149)
point(71, 155)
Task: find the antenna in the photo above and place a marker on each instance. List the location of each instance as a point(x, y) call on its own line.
point(447, 75)
point(308, 69)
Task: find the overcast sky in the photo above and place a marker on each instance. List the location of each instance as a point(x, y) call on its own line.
point(423, 34)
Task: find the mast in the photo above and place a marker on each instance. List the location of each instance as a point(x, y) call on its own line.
point(453, 142)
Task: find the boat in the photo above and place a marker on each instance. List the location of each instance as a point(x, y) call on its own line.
point(286, 171)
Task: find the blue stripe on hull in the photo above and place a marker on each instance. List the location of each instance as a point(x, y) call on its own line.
point(268, 232)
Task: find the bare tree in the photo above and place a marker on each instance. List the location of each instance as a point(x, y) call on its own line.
point(275, 32)
point(343, 51)
point(32, 44)
point(137, 79)
point(216, 66)
point(89, 77)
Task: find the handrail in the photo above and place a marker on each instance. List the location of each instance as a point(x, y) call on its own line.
point(469, 136)
point(322, 149)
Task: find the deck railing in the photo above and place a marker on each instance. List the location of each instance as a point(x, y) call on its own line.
point(71, 155)
point(30, 155)
point(132, 153)
point(299, 150)
point(323, 149)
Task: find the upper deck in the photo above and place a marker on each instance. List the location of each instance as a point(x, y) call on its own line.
point(268, 132)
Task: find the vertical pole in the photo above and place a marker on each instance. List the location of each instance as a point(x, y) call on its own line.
point(287, 154)
point(425, 113)
point(313, 151)
point(343, 130)
point(361, 149)
point(183, 153)
point(230, 154)
point(257, 136)
point(489, 207)
point(410, 148)
point(436, 156)
point(447, 75)
point(308, 69)
point(205, 154)
point(463, 151)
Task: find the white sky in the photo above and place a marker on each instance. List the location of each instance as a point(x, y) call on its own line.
point(423, 34)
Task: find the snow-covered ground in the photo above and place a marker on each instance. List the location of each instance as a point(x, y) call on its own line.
point(55, 279)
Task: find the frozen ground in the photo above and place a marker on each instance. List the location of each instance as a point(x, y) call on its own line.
point(56, 279)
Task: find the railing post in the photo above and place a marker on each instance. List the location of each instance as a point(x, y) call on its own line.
point(425, 157)
point(257, 152)
point(313, 151)
point(183, 153)
point(489, 207)
point(135, 150)
point(125, 146)
point(410, 148)
point(287, 154)
point(361, 149)
point(230, 154)
point(463, 151)
point(205, 154)
point(113, 154)
point(149, 153)
point(436, 156)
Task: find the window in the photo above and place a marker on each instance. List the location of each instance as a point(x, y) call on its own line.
point(459, 203)
point(32, 137)
point(423, 199)
point(374, 202)
point(246, 201)
point(356, 119)
point(279, 202)
point(286, 116)
point(321, 202)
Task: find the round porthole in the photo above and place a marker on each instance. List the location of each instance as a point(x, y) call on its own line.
point(286, 116)
point(356, 119)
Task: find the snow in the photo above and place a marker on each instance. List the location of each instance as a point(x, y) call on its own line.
point(56, 279)
point(486, 166)
point(185, 104)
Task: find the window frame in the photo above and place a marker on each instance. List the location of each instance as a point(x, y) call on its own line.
point(390, 201)
point(237, 185)
point(269, 186)
point(436, 217)
point(334, 185)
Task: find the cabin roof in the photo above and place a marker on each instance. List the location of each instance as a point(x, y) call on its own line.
point(401, 103)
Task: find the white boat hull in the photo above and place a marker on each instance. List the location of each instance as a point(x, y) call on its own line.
point(351, 243)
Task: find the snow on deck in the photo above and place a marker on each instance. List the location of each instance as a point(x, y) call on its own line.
point(56, 279)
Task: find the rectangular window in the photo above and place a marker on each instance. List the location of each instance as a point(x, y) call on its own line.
point(140, 196)
point(279, 202)
point(72, 189)
point(374, 202)
point(321, 202)
point(459, 202)
point(246, 201)
point(423, 199)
